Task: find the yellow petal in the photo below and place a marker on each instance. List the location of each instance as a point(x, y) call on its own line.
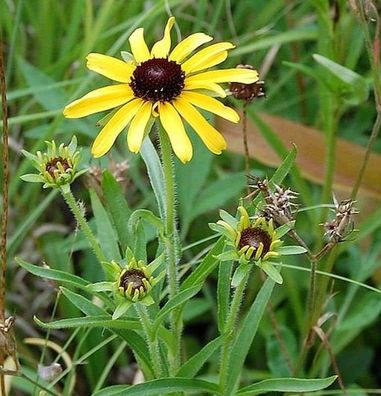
point(191, 84)
point(162, 47)
point(210, 104)
point(207, 57)
point(138, 46)
point(138, 124)
point(174, 127)
point(112, 129)
point(110, 67)
point(244, 76)
point(188, 45)
point(213, 140)
point(99, 100)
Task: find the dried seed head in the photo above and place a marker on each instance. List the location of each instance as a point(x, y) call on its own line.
point(279, 204)
point(342, 225)
point(247, 92)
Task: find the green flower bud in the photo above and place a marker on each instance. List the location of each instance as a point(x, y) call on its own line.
point(56, 166)
point(135, 281)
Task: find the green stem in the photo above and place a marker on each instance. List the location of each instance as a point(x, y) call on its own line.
point(170, 247)
point(373, 137)
point(76, 210)
point(229, 328)
point(152, 340)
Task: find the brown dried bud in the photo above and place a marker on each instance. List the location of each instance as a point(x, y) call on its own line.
point(247, 92)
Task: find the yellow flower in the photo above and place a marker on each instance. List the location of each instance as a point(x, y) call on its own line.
point(165, 84)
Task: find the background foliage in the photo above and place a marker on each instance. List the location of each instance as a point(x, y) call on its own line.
point(312, 57)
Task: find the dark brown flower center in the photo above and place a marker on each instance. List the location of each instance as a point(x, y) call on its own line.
point(134, 277)
point(252, 237)
point(51, 166)
point(158, 80)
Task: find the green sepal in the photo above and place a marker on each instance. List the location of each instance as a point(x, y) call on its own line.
point(284, 229)
point(101, 286)
point(104, 120)
point(228, 218)
point(156, 263)
point(111, 269)
point(121, 309)
point(220, 229)
point(290, 250)
point(271, 271)
point(32, 178)
point(72, 147)
point(147, 300)
point(239, 274)
point(65, 188)
point(127, 56)
point(227, 256)
point(129, 255)
point(79, 173)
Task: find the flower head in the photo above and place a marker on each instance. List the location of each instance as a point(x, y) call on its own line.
point(56, 166)
point(130, 284)
point(162, 83)
point(134, 281)
point(255, 241)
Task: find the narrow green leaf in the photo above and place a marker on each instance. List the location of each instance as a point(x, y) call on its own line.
point(92, 321)
point(117, 206)
point(18, 235)
point(223, 293)
point(82, 303)
point(282, 171)
point(218, 193)
point(155, 173)
point(287, 385)
point(195, 363)
point(179, 299)
point(246, 336)
point(271, 272)
point(148, 216)
point(208, 264)
point(106, 232)
point(139, 346)
point(305, 33)
point(32, 178)
point(290, 250)
point(188, 192)
point(57, 275)
point(161, 386)
point(50, 100)
point(121, 309)
point(279, 147)
point(354, 88)
point(240, 273)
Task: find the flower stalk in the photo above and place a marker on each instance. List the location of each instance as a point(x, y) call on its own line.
point(229, 327)
point(170, 244)
point(77, 212)
point(152, 340)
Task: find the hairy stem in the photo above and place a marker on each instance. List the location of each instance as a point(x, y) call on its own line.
point(246, 146)
point(229, 328)
point(76, 210)
point(170, 246)
point(152, 340)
